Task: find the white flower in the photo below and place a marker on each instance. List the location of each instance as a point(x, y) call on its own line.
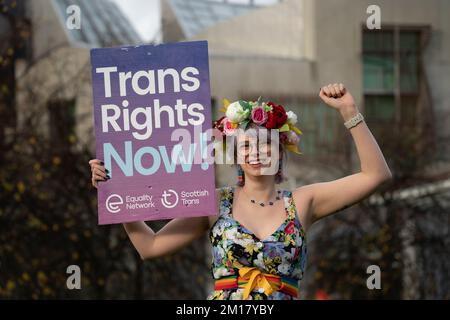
point(243, 242)
point(283, 268)
point(271, 238)
point(220, 251)
point(287, 256)
point(259, 261)
point(298, 241)
point(218, 230)
point(238, 295)
point(231, 233)
point(297, 273)
point(226, 244)
point(235, 112)
point(291, 117)
point(220, 272)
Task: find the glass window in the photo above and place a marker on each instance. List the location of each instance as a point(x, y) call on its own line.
point(378, 73)
point(409, 41)
point(380, 61)
point(409, 70)
point(378, 41)
point(380, 108)
point(318, 124)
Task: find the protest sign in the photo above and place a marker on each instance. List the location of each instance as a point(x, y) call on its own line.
point(152, 112)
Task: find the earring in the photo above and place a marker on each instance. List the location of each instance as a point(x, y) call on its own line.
point(240, 176)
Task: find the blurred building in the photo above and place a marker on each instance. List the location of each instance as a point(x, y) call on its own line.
point(53, 75)
point(48, 86)
point(281, 50)
point(286, 50)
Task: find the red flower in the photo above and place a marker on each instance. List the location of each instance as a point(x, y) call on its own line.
point(271, 121)
point(218, 124)
point(289, 228)
point(297, 250)
point(277, 117)
point(280, 115)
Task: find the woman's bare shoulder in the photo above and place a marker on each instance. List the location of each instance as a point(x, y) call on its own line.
point(303, 193)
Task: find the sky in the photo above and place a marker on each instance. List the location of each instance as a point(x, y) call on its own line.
point(145, 15)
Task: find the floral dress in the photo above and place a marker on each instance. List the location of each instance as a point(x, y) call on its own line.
point(283, 253)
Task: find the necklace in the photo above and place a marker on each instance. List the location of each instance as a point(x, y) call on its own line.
point(263, 203)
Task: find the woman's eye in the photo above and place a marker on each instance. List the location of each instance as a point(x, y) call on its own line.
point(244, 147)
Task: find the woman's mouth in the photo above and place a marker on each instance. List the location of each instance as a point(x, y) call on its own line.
point(255, 164)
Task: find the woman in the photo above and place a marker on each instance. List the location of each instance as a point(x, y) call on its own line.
point(259, 236)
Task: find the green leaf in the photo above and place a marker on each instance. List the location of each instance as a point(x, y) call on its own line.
point(245, 105)
point(284, 128)
point(244, 124)
point(259, 101)
point(267, 108)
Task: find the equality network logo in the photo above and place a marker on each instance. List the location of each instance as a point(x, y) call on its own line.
point(115, 202)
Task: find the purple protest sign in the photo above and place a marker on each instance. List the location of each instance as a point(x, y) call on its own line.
point(152, 109)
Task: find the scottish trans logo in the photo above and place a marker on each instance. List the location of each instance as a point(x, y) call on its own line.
point(169, 198)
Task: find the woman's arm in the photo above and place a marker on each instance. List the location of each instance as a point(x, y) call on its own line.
point(176, 234)
point(329, 197)
point(173, 236)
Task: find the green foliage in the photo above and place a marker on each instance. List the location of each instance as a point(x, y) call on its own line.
point(48, 221)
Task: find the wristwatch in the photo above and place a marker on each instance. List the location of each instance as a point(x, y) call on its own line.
point(354, 121)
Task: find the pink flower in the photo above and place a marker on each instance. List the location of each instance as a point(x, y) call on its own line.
point(259, 116)
point(289, 137)
point(229, 127)
point(283, 137)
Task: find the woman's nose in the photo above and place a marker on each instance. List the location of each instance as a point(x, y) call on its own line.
point(254, 154)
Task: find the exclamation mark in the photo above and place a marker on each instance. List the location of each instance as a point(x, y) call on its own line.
point(204, 149)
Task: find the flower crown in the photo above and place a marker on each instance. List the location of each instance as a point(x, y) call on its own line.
point(241, 113)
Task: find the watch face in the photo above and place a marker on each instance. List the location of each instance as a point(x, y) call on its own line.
point(354, 121)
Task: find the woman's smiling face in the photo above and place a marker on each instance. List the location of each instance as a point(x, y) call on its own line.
point(257, 153)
